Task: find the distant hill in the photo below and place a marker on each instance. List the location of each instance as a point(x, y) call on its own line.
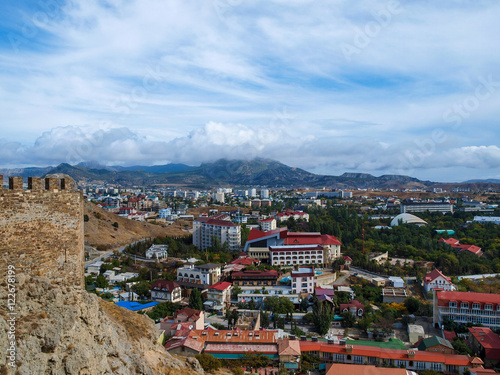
point(257, 172)
point(223, 172)
point(487, 181)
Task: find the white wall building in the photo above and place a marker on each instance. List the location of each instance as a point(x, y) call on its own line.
point(206, 274)
point(435, 279)
point(264, 193)
point(205, 229)
point(267, 224)
point(303, 280)
point(295, 255)
point(157, 252)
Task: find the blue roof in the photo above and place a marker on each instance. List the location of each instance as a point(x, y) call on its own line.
point(135, 306)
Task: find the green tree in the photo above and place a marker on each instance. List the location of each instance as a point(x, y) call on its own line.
point(264, 319)
point(323, 315)
point(349, 319)
point(141, 288)
point(208, 362)
point(101, 282)
point(163, 310)
point(461, 347)
point(195, 301)
point(412, 305)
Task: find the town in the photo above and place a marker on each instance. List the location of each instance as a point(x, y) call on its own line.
point(304, 280)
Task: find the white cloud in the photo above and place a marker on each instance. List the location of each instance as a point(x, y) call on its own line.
point(163, 69)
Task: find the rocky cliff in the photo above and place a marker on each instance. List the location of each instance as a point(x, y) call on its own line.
point(64, 330)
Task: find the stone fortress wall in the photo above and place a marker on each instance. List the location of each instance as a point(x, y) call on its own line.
point(41, 229)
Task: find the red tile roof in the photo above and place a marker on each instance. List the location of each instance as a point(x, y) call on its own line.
point(164, 285)
point(449, 241)
point(305, 238)
point(422, 356)
point(221, 285)
point(488, 339)
point(449, 335)
point(433, 275)
point(244, 260)
point(444, 297)
point(256, 234)
point(342, 368)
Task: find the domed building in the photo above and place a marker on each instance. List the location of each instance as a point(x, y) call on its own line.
point(407, 219)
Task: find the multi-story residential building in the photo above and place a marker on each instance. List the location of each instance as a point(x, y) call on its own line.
point(256, 278)
point(220, 293)
point(426, 206)
point(435, 279)
point(465, 307)
point(291, 255)
point(303, 280)
point(259, 244)
point(264, 193)
point(163, 290)
point(258, 294)
point(219, 197)
point(199, 276)
point(205, 229)
point(268, 224)
point(412, 360)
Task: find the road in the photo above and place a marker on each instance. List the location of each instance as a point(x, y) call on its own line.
point(108, 253)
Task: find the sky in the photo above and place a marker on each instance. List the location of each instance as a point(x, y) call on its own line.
point(380, 87)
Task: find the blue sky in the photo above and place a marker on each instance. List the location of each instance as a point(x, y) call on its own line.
point(382, 87)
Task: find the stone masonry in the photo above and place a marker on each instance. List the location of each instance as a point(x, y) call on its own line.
point(41, 229)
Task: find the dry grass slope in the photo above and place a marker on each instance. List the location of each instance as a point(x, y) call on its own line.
point(100, 232)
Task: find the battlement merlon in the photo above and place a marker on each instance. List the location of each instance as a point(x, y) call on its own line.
point(34, 183)
point(38, 184)
point(15, 183)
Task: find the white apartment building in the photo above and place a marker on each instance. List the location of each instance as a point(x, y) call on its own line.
point(204, 275)
point(424, 206)
point(264, 193)
point(205, 229)
point(252, 193)
point(219, 197)
point(303, 280)
point(465, 307)
point(267, 224)
point(487, 219)
point(291, 255)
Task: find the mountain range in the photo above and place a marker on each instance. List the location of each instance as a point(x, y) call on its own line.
point(223, 172)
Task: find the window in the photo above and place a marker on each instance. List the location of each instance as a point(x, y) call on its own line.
point(488, 307)
point(453, 304)
point(464, 305)
point(436, 366)
point(420, 365)
point(358, 359)
point(476, 306)
point(339, 357)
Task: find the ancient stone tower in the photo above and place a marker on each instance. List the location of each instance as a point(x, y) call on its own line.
point(41, 229)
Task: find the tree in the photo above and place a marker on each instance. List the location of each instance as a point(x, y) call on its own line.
point(235, 291)
point(162, 310)
point(365, 323)
point(141, 288)
point(412, 305)
point(461, 347)
point(208, 362)
point(195, 301)
point(304, 304)
point(322, 315)
point(251, 304)
point(264, 319)
point(348, 319)
point(101, 282)
point(115, 224)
